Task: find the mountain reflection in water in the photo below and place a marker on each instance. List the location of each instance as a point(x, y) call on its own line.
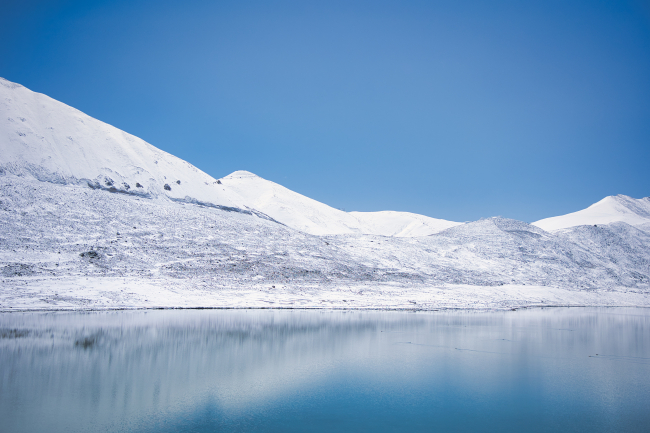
point(560, 369)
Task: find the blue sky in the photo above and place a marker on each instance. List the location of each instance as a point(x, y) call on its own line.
point(452, 109)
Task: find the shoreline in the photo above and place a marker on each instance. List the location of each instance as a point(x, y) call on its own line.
point(409, 310)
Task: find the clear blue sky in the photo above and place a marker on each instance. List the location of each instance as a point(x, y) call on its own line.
point(453, 109)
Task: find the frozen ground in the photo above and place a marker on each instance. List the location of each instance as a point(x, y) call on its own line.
point(73, 247)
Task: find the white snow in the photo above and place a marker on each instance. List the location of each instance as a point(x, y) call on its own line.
point(75, 235)
point(618, 208)
point(401, 224)
point(310, 216)
point(152, 253)
point(51, 141)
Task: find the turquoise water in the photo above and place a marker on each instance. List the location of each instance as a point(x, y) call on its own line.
point(542, 370)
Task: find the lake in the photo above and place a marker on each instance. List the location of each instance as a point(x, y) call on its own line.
point(538, 370)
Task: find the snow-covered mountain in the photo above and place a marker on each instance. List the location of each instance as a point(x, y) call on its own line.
point(50, 141)
point(92, 217)
point(310, 216)
point(68, 246)
point(615, 208)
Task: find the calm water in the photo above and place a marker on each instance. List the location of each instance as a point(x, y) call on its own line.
point(265, 371)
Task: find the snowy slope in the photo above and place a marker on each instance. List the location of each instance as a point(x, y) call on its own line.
point(50, 141)
point(402, 224)
point(310, 216)
point(68, 246)
point(619, 208)
point(65, 245)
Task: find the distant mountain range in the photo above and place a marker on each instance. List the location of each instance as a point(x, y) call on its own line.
point(52, 154)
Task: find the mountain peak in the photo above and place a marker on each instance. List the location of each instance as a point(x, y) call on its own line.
point(242, 174)
point(50, 141)
point(613, 208)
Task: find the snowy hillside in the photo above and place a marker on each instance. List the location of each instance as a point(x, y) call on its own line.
point(310, 216)
point(618, 208)
point(392, 223)
point(92, 217)
point(51, 141)
point(84, 248)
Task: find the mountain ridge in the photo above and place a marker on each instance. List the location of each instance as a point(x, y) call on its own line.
point(311, 216)
point(53, 142)
point(613, 208)
point(74, 235)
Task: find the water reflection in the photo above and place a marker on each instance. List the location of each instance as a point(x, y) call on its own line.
point(537, 370)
